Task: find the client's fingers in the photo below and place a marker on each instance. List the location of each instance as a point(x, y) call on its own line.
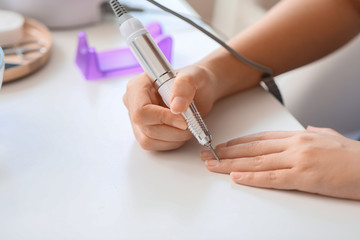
point(278, 179)
point(258, 137)
point(156, 115)
point(251, 164)
point(248, 149)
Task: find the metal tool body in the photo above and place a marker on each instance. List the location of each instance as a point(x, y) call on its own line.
point(153, 61)
point(24, 47)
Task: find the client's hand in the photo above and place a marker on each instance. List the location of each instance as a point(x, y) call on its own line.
point(155, 126)
point(316, 160)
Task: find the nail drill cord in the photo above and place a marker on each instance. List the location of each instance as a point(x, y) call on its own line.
point(267, 76)
point(106, 8)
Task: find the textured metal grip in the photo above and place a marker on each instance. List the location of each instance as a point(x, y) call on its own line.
point(195, 123)
point(197, 126)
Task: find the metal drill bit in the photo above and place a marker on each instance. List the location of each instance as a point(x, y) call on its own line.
point(214, 153)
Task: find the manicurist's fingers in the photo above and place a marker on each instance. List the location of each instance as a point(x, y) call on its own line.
point(140, 92)
point(156, 115)
point(166, 133)
point(148, 143)
point(183, 93)
point(278, 179)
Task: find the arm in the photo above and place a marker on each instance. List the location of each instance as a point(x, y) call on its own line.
point(292, 34)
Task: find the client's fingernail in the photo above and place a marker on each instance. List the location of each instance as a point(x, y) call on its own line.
point(221, 145)
point(177, 105)
point(205, 155)
point(211, 163)
point(180, 123)
point(235, 175)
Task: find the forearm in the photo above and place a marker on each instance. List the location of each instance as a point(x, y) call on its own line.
point(292, 34)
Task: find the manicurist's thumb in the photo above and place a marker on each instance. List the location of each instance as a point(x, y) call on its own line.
point(183, 93)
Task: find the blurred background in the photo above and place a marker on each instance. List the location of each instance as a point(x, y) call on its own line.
point(231, 16)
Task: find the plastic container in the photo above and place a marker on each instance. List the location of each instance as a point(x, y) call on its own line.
point(116, 62)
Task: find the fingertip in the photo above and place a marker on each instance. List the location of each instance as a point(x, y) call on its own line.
point(236, 176)
point(180, 123)
point(183, 92)
point(206, 155)
point(178, 105)
point(222, 145)
point(211, 163)
point(310, 128)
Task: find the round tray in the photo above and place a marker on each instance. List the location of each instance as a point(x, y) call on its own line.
point(38, 35)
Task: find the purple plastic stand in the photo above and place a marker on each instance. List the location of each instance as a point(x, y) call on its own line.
point(116, 62)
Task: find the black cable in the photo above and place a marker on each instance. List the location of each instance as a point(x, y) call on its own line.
point(222, 43)
point(107, 9)
point(267, 77)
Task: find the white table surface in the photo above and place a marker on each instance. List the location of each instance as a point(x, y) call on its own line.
point(70, 167)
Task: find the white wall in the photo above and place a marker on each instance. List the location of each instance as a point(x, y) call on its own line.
point(205, 8)
point(327, 92)
point(231, 16)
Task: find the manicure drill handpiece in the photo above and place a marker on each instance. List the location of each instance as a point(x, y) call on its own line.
point(153, 61)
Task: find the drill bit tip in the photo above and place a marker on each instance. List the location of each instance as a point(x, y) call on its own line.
point(214, 153)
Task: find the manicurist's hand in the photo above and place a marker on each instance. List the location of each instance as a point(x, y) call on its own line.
point(316, 160)
point(155, 126)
